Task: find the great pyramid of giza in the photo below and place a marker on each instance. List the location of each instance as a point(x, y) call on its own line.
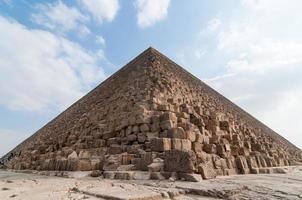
point(154, 116)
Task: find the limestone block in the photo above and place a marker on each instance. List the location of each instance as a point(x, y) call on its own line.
point(160, 144)
point(179, 161)
point(84, 165)
point(199, 138)
point(206, 139)
point(191, 135)
point(115, 149)
point(145, 160)
point(168, 116)
point(141, 137)
point(241, 164)
point(186, 144)
point(197, 147)
point(156, 176)
point(166, 125)
point(125, 168)
point(227, 147)
point(156, 167)
point(252, 163)
point(124, 175)
point(140, 175)
point(243, 151)
point(176, 143)
point(109, 174)
point(127, 158)
point(177, 133)
point(131, 137)
point(206, 170)
point(234, 150)
point(96, 164)
point(135, 129)
point(210, 148)
point(84, 154)
point(190, 177)
point(114, 140)
point(151, 135)
point(73, 155)
point(144, 128)
point(112, 162)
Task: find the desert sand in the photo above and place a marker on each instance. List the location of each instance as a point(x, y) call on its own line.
point(287, 184)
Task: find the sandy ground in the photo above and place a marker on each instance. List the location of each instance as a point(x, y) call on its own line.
point(22, 186)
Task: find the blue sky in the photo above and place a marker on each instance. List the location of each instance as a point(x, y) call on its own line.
point(53, 52)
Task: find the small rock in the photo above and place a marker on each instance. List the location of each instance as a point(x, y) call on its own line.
point(96, 173)
point(190, 177)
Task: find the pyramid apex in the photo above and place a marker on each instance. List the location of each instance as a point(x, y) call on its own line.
point(150, 50)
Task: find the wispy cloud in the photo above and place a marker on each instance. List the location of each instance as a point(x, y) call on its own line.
point(101, 10)
point(59, 17)
point(150, 12)
point(41, 70)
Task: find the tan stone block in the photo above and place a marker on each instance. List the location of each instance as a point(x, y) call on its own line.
point(166, 125)
point(206, 170)
point(244, 151)
point(145, 160)
point(199, 138)
point(186, 144)
point(209, 148)
point(176, 143)
point(197, 147)
point(144, 128)
point(115, 149)
point(84, 165)
point(160, 144)
point(179, 161)
point(191, 135)
point(177, 133)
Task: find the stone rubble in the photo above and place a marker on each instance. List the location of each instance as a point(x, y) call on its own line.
point(150, 120)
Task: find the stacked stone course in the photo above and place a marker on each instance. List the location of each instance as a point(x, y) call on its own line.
point(154, 116)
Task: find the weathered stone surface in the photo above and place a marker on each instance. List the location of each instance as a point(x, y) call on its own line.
point(160, 144)
point(180, 161)
point(178, 132)
point(206, 170)
point(149, 109)
point(190, 177)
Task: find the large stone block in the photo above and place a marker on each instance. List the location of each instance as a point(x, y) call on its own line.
point(160, 144)
point(197, 147)
point(209, 148)
point(84, 165)
point(144, 160)
point(176, 143)
point(178, 132)
point(186, 145)
point(207, 170)
point(179, 161)
point(166, 125)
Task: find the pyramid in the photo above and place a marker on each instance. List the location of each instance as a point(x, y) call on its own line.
point(154, 116)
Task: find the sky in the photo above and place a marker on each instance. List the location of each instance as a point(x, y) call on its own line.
point(54, 52)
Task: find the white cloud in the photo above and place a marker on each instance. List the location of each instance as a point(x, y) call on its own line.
point(101, 10)
point(100, 40)
point(41, 70)
point(264, 66)
point(58, 16)
point(151, 11)
point(10, 139)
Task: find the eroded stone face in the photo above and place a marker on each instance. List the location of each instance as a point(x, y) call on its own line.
point(154, 110)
